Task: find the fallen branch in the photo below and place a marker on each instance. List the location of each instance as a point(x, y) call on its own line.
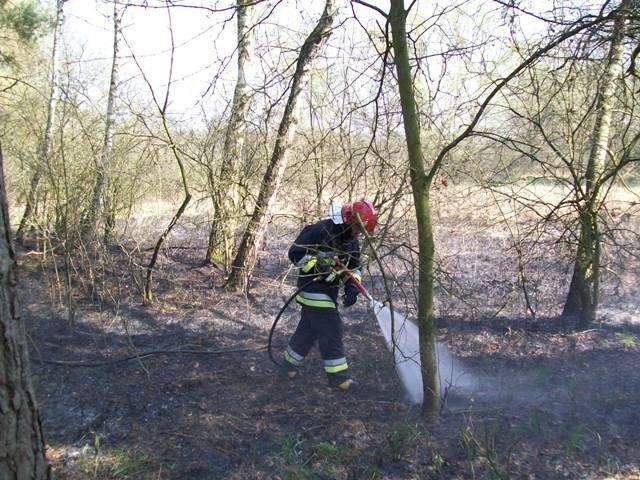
point(73, 363)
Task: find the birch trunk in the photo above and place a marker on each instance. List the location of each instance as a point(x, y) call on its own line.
point(583, 296)
point(22, 454)
point(43, 162)
point(225, 191)
point(421, 185)
point(245, 259)
point(95, 211)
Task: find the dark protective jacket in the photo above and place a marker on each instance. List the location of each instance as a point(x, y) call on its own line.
point(324, 237)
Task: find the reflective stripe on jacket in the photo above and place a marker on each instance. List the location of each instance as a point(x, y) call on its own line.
point(323, 237)
point(318, 300)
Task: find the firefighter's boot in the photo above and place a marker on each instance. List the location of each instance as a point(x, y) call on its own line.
point(290, 371)
point(342, 382)
point(292, 363)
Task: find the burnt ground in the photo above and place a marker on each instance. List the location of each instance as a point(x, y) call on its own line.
point(184, 389)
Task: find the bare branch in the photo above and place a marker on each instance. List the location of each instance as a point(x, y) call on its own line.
point(533, 58)
point(372, 7)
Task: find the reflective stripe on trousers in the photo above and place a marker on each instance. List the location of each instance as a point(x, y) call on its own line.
point(292, 357)
point(335, 365)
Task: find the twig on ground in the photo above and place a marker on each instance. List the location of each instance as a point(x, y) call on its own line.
point(73, 363)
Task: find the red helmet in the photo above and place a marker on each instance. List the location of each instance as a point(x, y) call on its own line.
point(363, 209)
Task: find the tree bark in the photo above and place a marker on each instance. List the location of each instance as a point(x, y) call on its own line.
point(95, 211)
point(245, 259)
point(42, 164)
point(22, 450)
point(421, 185)
point(582, 298)
point(225, 190)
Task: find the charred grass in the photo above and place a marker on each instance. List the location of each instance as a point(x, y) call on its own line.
point(184, 389)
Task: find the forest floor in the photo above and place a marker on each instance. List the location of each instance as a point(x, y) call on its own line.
point(184, 389)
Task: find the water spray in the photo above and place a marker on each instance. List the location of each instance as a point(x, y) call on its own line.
point(401, 338)
point(403, 341)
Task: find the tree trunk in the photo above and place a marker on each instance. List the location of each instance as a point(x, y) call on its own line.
point(582, 298)
point(42, 164)
point(225, 192)
point(245, 259)
point(95, 211)
point(421, 188)
point(22, 454)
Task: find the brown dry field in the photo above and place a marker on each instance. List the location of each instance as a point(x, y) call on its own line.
point(184, 389)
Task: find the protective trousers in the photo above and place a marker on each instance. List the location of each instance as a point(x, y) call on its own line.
point(324, 325)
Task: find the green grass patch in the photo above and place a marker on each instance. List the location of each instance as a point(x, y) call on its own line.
point(628, 339)
point(300, 460)
point(402, 435)
point(290, 448)
point(574, 439)
point(116, 464)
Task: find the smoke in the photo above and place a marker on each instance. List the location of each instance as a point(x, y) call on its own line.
point(405, 346)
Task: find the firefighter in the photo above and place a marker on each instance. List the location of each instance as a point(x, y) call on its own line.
point(318, 250)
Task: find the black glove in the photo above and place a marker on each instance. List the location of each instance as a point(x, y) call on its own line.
point(350, 294)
